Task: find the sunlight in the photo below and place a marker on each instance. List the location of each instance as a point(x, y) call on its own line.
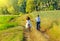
point(3, 3)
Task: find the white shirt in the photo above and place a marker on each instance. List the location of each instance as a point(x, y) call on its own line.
point(38, 19)
point(28, 22)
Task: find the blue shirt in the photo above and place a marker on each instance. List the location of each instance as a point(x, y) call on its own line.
point(38, 19)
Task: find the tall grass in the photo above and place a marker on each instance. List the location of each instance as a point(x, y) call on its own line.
point(7, 22)
point(50, 21)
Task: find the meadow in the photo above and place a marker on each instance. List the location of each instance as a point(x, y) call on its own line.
point(50, 23)
point(12, 28)
point(7, 22)
point(9, 29)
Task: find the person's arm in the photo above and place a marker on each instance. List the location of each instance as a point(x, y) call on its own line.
point(32, 20)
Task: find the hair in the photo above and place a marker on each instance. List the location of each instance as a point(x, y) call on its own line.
point(38, 15)
point(28, 18)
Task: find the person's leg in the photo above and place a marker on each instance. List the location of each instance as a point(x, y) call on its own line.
point(37, 25)
point(29, 28)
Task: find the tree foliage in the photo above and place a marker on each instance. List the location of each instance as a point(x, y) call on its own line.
point(27, 6)
point(30, 5)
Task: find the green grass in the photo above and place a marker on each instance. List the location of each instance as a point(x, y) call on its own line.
point(7, 22)
point(9, 29)
point(5, 19)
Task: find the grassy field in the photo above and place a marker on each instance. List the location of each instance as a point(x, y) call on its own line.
point(50, 23)
point(7, 22)
point(12, 34)
point(9, 29)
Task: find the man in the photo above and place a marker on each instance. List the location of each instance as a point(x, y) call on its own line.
point(38, 22)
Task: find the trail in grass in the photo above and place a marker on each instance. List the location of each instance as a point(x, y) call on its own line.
point(35, 35)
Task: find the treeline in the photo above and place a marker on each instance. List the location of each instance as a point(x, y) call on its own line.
point(28, 6)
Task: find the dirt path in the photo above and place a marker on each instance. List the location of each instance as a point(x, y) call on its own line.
point(35, 35)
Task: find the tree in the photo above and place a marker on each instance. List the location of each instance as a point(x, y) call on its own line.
point(30, 5)
point(22, 6)
point(55, 5)
point(19, 5)
point(4, 11)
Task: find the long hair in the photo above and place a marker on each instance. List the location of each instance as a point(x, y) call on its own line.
point(28, 18)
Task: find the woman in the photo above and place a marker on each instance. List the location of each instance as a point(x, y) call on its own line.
point(28, 24)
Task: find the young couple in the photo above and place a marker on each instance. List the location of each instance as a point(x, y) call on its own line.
point(28, 24)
